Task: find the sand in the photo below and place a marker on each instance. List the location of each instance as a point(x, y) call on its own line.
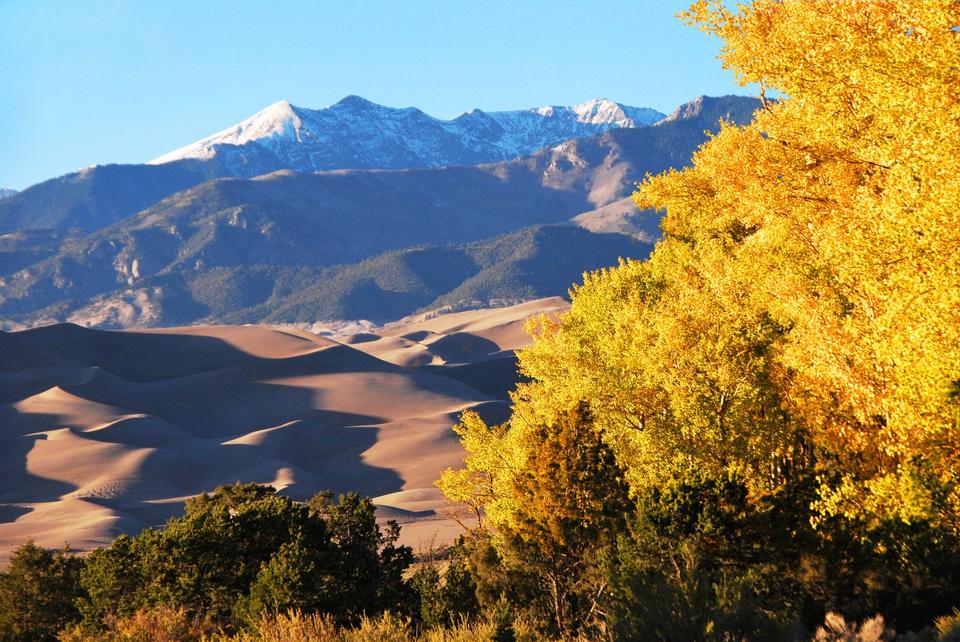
point(103, 433)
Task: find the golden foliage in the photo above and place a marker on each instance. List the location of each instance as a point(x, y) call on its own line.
point(805, 298)
point(494, 459)
point(849, 193)
point(161, 624)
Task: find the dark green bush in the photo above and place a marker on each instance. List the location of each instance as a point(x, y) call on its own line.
point(37, 593)
point(245, 552)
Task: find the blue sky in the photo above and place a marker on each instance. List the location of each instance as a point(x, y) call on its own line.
point(103, 81)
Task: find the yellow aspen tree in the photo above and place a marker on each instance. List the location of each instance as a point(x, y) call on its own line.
point(850, 189)
point(804, 301)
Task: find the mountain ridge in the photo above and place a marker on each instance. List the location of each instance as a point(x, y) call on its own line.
point(356, 133)
point(503, 270)
point(98, 196)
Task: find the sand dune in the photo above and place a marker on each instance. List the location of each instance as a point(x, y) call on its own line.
point(474, 347)
point(457, 338)
point(108, 432)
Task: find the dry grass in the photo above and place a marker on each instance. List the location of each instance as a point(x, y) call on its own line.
point(948, 627)
point(171, 625)
point(163, 624)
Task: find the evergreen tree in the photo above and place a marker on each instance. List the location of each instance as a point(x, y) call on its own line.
point(243, 552)
point(369, 566)
point(571, 500)
point(450, 597)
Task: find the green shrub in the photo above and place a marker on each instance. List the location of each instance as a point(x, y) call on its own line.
point(447, 590)
point(37, 593)
point(245, 552)
point(698, 564)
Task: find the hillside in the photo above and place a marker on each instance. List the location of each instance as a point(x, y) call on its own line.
point(516, 266)
point(95, 197)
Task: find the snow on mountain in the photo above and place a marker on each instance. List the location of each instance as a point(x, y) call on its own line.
point(276, 121)
point(5, 192)
point(606, 112)
point(356, 133)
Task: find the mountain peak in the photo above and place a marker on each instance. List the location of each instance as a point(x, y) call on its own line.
point(275, 119)
point(353, 101)
point(279, 119)
point(687, 110)
point(596, 104)
point(279, 107)
point(606, 112)
point(602, 110)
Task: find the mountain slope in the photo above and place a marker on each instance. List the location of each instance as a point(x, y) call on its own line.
point(528, 264)
point(356, 133)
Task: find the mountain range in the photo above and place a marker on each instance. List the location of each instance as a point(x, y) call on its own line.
point(355, 133)
point(191, 240)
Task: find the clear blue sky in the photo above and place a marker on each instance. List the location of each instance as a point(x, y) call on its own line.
point(101, 81)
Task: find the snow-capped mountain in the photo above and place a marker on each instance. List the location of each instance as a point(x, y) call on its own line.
point(175, 243)
point(5, 192)
point(356, 133)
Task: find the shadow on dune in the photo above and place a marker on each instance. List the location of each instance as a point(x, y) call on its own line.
point(462, 347)
point(493, 412)
point(137, 357)
point(17, 484)
point(12, 512)
point(494, 377)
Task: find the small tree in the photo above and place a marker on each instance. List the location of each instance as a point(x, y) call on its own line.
point(37, 593)
point(571, 500)
point(448, 597)
point(368, 565)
